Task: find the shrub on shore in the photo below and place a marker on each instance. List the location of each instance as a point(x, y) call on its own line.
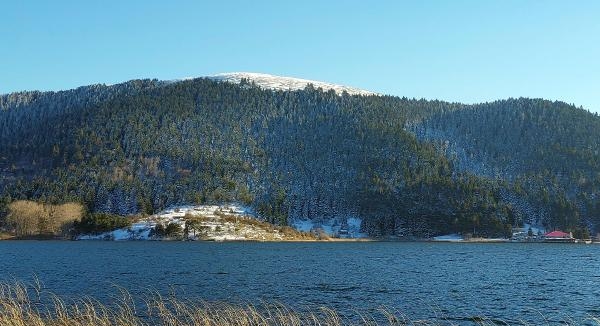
point(33, 219)
point(96, 223)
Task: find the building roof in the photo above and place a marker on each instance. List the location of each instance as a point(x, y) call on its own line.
point(557, 234)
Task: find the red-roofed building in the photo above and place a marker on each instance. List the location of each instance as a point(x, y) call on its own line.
point(559, 236)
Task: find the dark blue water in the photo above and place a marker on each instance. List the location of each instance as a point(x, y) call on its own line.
point(539, 283)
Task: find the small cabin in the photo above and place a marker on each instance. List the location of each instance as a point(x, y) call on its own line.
point(559, 236)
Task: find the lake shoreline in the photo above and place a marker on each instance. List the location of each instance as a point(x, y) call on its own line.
point(11, 238)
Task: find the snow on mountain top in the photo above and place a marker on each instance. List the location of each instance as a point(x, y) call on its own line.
point(285, 83)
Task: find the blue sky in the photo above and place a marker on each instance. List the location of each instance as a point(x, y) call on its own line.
point(467, 51)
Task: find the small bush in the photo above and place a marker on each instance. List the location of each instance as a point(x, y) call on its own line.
point(96, 223)
point(172, 230)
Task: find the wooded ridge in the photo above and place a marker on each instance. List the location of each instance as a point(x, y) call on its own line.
point(406, 167)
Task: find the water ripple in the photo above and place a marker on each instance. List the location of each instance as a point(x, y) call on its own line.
point(469, 282)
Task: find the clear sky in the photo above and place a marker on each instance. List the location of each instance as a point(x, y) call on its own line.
point(467, 51)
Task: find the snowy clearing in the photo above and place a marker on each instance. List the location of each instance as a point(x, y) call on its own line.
point(230, 222)
point(449, 238)
point(343, 227)
point(285, 83)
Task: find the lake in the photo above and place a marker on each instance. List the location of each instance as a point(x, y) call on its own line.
point(538, 283)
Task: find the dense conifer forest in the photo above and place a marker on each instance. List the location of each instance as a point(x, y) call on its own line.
point(407, 167)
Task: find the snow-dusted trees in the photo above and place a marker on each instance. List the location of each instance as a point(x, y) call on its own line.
point(410, 167)
point(547, 152)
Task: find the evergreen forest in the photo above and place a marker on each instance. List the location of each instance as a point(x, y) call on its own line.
point(406, 167)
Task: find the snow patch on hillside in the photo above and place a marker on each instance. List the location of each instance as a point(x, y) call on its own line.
point(536, 229)
point(348, 227)
point(285, 83)
point(212, 222)
point(449, 238)
point(522, 234)
point(225, 223)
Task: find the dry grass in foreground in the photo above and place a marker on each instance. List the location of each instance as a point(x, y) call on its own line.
point(21, 305)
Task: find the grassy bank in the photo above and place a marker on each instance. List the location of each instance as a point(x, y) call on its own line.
point(22, 305)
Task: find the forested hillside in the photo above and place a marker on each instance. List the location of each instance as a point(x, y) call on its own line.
point(547, 151)
point(406, 167)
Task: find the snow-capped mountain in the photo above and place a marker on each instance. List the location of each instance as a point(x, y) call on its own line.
point(285, 83)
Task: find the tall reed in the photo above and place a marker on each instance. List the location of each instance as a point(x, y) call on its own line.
point(31, 305)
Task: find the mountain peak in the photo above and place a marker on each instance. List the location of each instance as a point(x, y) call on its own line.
point(285, 83)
